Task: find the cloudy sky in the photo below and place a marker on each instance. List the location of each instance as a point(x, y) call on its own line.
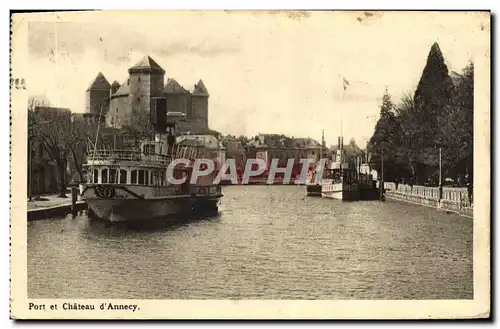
point(266, 73)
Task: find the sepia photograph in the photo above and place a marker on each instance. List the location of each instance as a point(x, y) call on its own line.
point(250, 164)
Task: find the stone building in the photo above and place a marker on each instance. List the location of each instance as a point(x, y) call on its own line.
point(144, 94)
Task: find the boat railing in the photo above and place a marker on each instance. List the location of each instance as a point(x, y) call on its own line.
point(129, 156)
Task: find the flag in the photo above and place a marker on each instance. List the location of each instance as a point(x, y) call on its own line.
point(345, 82)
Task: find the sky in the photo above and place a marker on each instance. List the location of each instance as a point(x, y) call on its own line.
point(266, 72)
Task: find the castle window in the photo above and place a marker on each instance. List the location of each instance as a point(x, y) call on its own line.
point(139, 79)
point(133, 178)
point(128, 81)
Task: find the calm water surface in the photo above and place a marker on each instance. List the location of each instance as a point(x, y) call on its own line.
point(266, 242)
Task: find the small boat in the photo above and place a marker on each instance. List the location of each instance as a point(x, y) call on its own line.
point(313, 186)
point(313, 182)
point(340, 185)
point(341, 182)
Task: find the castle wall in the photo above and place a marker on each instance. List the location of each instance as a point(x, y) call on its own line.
point(143, 87)
point(139, 96)
point(96, 98)
point(176, 102)
point(199, 108)
point(119, 112)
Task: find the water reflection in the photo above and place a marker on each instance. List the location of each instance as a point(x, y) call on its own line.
point(98, 226)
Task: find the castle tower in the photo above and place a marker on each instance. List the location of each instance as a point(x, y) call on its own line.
point(97, 95)
point(176, 97)
point(145, 83)
point(114, 87)
point(199, 105)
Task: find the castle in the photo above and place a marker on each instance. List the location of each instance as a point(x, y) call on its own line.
point(145, 91)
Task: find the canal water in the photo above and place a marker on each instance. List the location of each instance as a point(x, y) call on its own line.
point(266, 242)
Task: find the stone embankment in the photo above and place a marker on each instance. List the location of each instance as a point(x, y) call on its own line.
point(453, 199)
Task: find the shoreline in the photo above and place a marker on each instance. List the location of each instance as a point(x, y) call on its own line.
point(429, 203)
point(54, 211)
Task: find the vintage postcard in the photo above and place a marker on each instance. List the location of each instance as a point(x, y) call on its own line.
point(250, 165)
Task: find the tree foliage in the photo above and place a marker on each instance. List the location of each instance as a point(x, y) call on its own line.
point(53, 129)
point(409, 134)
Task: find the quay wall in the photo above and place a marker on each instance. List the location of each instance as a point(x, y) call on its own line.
point(453, 199)
point(55, 211)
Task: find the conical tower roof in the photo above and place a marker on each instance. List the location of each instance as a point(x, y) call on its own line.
point(100, 83)
point(123, 90)
point(200, 89)
point(173, 87)
point(115, 84)
point(146, 64)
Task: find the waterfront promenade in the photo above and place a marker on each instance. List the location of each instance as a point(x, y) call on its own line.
point(453, 199)
point(49, 201)
point(53, 205)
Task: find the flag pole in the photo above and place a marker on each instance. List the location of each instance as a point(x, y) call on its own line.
point(343, 86)
point(342, 113)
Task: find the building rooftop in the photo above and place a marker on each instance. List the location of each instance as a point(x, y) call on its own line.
point(184, 127)
point(147, 63)
point(123, 90)
point(200, 89)
point(100, 83)
point(349, 149)
point(173, 87)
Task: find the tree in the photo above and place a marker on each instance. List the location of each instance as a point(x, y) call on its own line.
point(33, 125)
point(385, 138)
point(432, 96)
point(440, 115)
point(457, 128)
point(405, 159)
point(53, 130)
point(37, 101)
point(82, 132)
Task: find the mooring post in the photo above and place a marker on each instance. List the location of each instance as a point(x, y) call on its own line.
point(74, 197)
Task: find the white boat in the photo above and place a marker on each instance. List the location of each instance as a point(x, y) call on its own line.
point(340, 181)
point(342, 187)
point(126, 185)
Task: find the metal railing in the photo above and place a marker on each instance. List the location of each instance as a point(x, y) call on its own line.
point(130, 156)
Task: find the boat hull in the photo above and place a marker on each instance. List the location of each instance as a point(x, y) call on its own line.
point(340, 191)
point(133, 210)
point(124, 203)
point(313, 190)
